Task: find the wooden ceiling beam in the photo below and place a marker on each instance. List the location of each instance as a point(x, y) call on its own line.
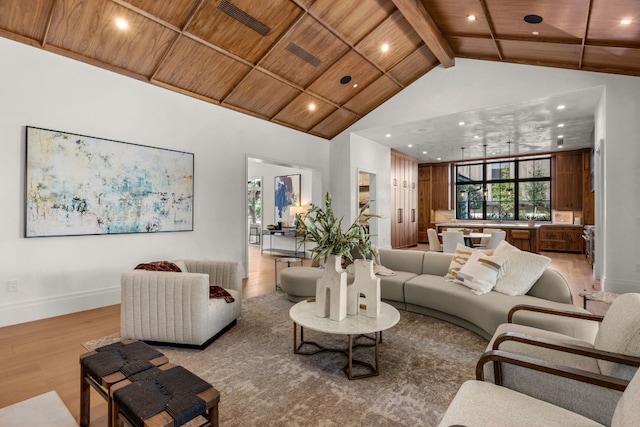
point(414, 12)
point(586, 32)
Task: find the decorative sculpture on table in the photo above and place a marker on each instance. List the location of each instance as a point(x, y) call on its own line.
point(331, 290)
point(365, 283)
point(320, 226)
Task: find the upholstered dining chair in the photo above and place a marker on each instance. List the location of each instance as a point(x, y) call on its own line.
point(495, 239)
point(484, 241)
point(450, 240)
point(617, 341)
point(434, 242)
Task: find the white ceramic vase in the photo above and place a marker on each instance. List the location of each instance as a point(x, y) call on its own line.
point(331, 290)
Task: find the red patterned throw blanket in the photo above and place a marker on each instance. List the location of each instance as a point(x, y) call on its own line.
point(214, 291)
point(220, 292)
point(158, 266)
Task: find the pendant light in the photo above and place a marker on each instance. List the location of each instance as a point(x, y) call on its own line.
point(462, 192)
point(509, 189)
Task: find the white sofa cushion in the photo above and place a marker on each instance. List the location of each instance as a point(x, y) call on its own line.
point(482, 404)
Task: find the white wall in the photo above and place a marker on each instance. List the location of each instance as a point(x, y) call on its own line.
point(474, 85)
point(58, 275)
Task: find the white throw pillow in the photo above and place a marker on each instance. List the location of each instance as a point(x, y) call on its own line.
point(181, 265)
point(480, 273)
point(504, 248)
point(525, 268)
point(460, 258)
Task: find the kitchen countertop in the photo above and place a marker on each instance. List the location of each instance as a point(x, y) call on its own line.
point(504, 224)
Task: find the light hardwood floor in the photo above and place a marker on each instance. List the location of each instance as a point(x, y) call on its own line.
point(40, 356)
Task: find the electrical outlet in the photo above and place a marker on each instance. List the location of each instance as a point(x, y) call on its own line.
point(12, 286)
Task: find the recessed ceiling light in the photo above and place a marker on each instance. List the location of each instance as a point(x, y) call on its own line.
point(476, 137)
point(410, 145)
point(439, 158)
point(626, 21)
point(461, 124)
point(560, 136)
point(424, 152)
point(388, 135)
point(355, 85)
point(535, 33)
point(471, 18)
point(561, 125)
point(560, 107)
point(121, 23)
point(384, 47)
point(312, 107)
point(533, 19)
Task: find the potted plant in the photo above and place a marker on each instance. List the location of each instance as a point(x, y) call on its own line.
point(320, 226)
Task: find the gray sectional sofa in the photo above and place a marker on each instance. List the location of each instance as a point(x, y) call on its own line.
point(419, 286)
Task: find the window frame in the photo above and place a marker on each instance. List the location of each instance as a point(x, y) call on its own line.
point(481, 186)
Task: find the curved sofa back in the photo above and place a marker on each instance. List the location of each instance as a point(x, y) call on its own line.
point(550, 286)
point(402, 260)
point(436, 263)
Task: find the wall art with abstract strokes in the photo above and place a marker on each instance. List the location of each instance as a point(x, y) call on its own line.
point(287, 193)
point(80, 185)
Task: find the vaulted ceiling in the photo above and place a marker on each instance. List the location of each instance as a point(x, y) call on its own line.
point(318, 66)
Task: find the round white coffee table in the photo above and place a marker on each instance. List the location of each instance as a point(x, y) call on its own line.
point(355, 327)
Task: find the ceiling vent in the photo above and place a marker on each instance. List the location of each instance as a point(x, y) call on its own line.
point(303, 54)
point(243, 17)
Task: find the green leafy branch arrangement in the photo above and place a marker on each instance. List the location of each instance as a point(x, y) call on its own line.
point(320, 226)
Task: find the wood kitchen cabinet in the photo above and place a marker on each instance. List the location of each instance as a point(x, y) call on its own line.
point(568, 181)
point(404, 200)
point(440, 190)
point(433, 194)
point(561, 238)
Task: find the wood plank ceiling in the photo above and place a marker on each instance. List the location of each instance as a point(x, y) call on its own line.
point(273, 59)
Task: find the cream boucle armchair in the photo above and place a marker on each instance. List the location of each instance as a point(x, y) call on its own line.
point(175, 308)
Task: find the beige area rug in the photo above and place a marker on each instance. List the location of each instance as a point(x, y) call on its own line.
point(262, 383)
point(44, 410)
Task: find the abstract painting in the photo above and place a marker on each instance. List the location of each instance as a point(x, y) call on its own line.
point(287, 193)
point(81, 185)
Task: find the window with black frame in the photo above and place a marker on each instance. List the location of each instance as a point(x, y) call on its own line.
point(504, 190)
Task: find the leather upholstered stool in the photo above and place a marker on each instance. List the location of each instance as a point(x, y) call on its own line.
point(109, 365)
point(169, 395)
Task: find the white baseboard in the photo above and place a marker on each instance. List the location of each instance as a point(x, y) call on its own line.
point(42, 308)
point(620, 286)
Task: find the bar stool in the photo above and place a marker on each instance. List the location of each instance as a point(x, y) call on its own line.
point(109, 365)
point(521, 239)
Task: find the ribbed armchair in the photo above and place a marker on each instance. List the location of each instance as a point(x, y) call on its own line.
point(175, 308)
